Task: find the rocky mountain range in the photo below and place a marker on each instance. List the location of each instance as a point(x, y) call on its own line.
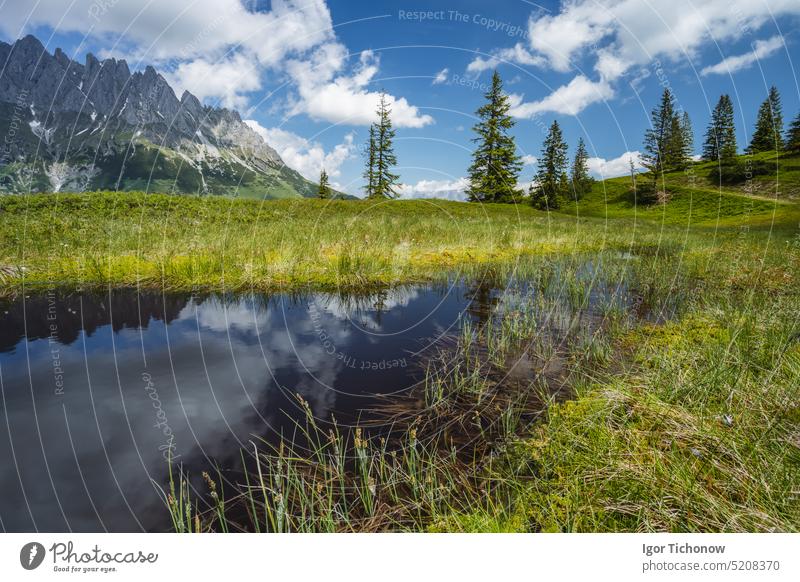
point(67, 126)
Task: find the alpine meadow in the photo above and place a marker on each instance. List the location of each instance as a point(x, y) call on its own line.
point(361, 281)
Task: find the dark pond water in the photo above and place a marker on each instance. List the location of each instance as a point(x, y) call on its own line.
point(98, 390)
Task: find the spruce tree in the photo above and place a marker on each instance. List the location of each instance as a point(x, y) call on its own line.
point(728, 150)
point(369, 171)
point(495, 167)
point(711, 142)
point(658, 141)
point(674, 159)
point(793, 136)
point(687, 134)
point(768, 134)
point(385, 182)
point(721, 134)
point(581, 181)
point(550, 183)
point(324, 189)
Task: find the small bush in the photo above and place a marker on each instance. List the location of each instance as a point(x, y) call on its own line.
point(738, 171)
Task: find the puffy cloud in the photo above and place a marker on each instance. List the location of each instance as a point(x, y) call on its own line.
point(446, 189)
point(226, 81)
point(440, 77)
point(529, 160)
point(326, 94)
point(761, 50)
point(569, 99)
point(217, 49)
point(517, 54)
point(220, 49)
point(181, 29)
point(557, 37)
point(619, 166)
point(622, 34)
point(306, 156)
point(636, 32)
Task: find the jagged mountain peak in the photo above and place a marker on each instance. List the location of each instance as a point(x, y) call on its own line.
point(99, 116)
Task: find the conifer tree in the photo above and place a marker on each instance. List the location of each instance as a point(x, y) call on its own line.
point(687, 134)
point(550, 183)
point(712, 142)
point(385, 185)
point(369, 171)
point(768, 134)
point(581, 181)
point(658, 141)
point(495, 167)
point(674, 159)
point(793, 136)
point(324, 189)
point(720, 142)
point(728, 149)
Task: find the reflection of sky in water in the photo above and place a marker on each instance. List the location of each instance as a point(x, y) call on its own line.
point(212, 373)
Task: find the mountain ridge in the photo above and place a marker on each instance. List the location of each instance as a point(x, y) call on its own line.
point(69, 126)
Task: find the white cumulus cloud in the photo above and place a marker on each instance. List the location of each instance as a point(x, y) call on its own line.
point(226, 81)
point(761, 50)
point(619, 35)
point(306, 156)
point(569, 99)
point(440, 77)
point(221, 50)
point(619, 166)
point(445, 189)
point(325, 93)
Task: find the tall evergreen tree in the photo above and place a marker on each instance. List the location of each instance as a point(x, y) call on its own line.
point(720, 138)
point(550, 183)
point(369, 171)
point(687, 134)
point(658, 140)
point(793, 136)
point(380, 156)
point(324, 189)
point(495, 167)
point(385, 159)
point(674, 158)
point(768, 134)
point(728, 148)
point(581, 181)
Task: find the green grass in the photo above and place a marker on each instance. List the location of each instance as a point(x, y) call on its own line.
point(181, 242)
point(686, 424)
point(697, 201)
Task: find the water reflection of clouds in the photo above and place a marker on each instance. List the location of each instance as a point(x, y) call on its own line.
point(358, 308)
point(224, 369)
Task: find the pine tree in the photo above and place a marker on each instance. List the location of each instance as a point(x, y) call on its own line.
point(721, 133)
point(768, 134)
point(674, 159)
point(385, 159)
point(687, 134)
point(581, 181)
point(369, 172)
point(658, 142)
point(550, 183)
point(324, 189)
point(728, 149)
point(495, 167)
point(793, 136)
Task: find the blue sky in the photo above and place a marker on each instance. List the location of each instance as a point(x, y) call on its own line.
point(308, 72)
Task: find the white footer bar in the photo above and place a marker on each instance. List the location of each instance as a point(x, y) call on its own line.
point(389, 557)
